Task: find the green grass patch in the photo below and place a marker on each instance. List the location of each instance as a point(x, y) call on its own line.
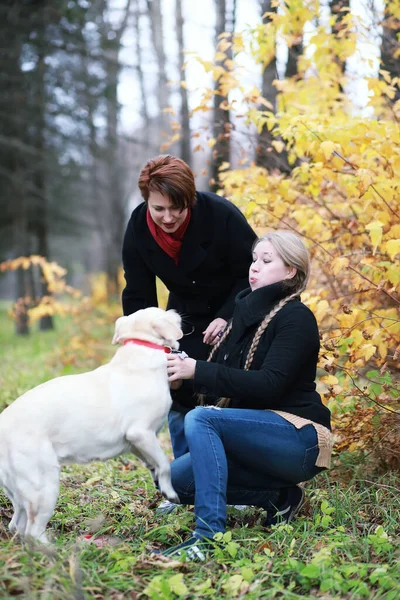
point(343, 545)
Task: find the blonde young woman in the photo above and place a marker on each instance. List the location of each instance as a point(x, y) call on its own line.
point(262, 428)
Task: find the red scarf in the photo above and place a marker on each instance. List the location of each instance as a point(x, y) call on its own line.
point(171, 243)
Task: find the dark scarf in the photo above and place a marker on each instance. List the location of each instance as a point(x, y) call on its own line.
point(171, 243)
point(252, 307)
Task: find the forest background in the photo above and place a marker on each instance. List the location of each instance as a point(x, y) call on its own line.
point(289, 109)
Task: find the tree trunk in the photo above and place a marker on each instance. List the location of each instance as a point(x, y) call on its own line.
point(157, 38)
point(266, 155)
point(139, 65)
point(114, 202)
point(40, 215)
point(24, 291)
point(390, 44)
point(14, 168)
point(225, 22)
point(336, 6)
point(294, 53)
point(185, 151)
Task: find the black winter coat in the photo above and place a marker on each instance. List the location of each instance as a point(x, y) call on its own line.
point(282, 375)
point(213, 267)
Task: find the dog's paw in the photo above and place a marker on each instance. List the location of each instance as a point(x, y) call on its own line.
point(172, 497)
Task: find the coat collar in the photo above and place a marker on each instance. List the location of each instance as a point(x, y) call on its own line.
point(254, 306)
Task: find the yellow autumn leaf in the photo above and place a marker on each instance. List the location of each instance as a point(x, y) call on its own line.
point(328, 149)
point(367, 350)
point(393, 248)
point(237, 43)
point(338, 264)
point(321, 310)
point(329, 380)
point(353, 446)
point(364, 180)
point(383, 350)
point(278, 145)
point(251, 206)
point(375, 233)
point(393, 274)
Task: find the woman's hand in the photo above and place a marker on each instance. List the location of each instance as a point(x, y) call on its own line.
point(178, 368)
point(214, 331)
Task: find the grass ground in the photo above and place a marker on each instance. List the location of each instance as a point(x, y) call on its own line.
point(345, 543)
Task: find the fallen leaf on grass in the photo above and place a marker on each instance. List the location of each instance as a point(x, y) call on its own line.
point(160, 561)
point(93, 525)
point(264, 546)
point(101, 541)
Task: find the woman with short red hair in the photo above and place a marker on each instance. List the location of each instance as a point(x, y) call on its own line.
point(199, 245)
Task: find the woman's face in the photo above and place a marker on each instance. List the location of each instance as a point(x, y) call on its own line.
point(267, 267)
point(164, 214)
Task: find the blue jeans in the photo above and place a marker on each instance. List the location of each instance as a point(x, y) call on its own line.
point(239, 456)
point(176, 424)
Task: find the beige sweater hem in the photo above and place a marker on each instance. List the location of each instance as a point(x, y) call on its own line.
point(324, 435)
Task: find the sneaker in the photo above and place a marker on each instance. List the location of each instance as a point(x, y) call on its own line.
point(194, 549)
point(166, 507)
point(285, 511)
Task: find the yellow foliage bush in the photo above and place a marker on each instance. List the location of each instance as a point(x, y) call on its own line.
point(342, 197)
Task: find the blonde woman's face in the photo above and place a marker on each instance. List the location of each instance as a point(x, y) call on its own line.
point(267, 267)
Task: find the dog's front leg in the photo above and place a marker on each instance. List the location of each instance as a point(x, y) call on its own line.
point(151, 468)
point(145, 445)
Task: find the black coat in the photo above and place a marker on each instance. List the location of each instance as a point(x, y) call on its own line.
point(282, 375)
point(213, 267)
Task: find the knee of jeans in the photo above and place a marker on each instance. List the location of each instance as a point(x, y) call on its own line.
point(195, 417)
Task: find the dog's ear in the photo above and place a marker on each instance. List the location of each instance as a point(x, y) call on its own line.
point(167, 330)
point(120, 325)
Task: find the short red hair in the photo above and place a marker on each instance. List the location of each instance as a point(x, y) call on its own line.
point(171, 177)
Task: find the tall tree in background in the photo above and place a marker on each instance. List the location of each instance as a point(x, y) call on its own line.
point(266, 155)
point(185, 151)
point(39, 214)
point(15, 152)
point(157, 38)
point(295, 50)
point(22, 146)
point(224, 23)
point(137, 20)
point(339, 9)
point(112, 217)
point(390, 46)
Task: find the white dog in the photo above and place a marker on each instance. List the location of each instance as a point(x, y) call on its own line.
point(117, 408)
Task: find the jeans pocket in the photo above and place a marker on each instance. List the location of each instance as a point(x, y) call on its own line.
point(310, 458)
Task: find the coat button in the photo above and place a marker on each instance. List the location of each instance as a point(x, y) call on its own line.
point(226, 356)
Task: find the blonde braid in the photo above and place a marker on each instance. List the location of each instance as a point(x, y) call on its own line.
point(263, 326)
point(223, 337)
point(201, 397)
point(225, 402)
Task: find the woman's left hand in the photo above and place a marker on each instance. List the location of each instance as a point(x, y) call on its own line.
point(214, 331)
point(178, 368)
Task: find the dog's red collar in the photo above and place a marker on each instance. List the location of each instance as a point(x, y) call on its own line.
point(165, 349)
